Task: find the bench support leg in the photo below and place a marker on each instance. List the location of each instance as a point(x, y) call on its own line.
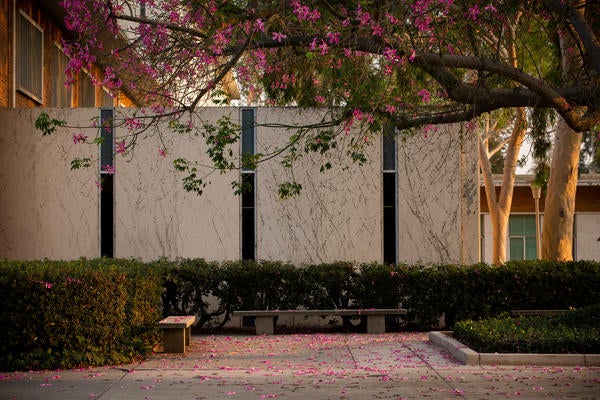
point(264, 325)
point(375, 323)
point(188, 335)
point(175, 340)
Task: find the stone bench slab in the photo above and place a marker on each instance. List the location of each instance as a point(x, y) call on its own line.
point(265, 319)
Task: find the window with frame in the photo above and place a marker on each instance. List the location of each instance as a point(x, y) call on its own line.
point(248, 180)
point(521, 232)
point(30, 57)
point(390, 189)
point(61, 94)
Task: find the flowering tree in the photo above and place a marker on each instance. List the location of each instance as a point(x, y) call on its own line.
point(413, 64)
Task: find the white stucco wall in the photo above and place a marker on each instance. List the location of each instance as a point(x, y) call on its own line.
point(438, 197)
point(336, 217)
point(49, 211)
point(155, 217)
point(46, 210)
point(588, 236)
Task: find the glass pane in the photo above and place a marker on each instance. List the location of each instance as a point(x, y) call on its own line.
point(29, 57)
point(530, 249)
point(61, 95)
point(248, 131)
point(516, 248)
point(521, 225)
point(389, 150)
point(106, 148)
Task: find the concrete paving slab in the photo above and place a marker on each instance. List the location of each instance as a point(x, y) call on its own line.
point(316, 367)
point(70, 384)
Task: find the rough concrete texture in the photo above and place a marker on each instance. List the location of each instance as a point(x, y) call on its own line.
point(318, 366)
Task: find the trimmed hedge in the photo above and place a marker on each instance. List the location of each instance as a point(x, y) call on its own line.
point(578, 331)
point(214, 290)
point(69, 314)
point(93, 312)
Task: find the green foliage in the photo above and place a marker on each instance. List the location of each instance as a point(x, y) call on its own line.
point(219, 138)
point(191, 181)
point(287, 190)
point(48, 125)
point(79, 313)
point(589, 159)
point(578, 331)
point(94, 312)
point(427, 292)
point(541, 120)
point(78, 163)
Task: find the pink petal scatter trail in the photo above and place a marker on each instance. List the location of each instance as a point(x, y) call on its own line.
point(308, 366)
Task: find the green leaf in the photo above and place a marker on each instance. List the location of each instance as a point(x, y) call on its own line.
point(289, 189)
point(78, 163)
point(47, 125)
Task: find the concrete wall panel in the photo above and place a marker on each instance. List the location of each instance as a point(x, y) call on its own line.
point(156, 217)
point(336, 217)
point(438, 197)
point(46, 210)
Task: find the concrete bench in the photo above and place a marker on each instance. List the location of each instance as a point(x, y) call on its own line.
point(265, 319)
point(177, 332)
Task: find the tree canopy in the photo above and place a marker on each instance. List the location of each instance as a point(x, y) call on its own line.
point(415, 63)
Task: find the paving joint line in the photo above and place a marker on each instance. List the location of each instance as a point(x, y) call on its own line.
point(113, 383)
point(456, 391)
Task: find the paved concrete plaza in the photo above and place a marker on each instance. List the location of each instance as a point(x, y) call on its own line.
point(315, 366)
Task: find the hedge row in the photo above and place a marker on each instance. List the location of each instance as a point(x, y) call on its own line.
point(578, 331)
point(213, 290)
point(93, 312)
point(69, 314)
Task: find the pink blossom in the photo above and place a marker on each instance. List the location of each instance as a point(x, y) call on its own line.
point(491, 8)
point(473, 12)
point(324, 48)
point(47, 285)
point(377, 30)
point(79, 138)
point(162, 152)
point(279, 36)
point(109, 169)
point(133, 123)
point(259, 25)
point(470, 126)
point(390, 108)
point(412, 55)
point(333, 38)
point(98, 184)
point(320, 99)
point(357, 114)
point(120, 147)
point(364, 18)
point(425, 95)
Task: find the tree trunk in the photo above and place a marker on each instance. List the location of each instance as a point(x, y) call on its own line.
point(557, 235)
point(499, 227)
point(559, 212)
point(500, 206)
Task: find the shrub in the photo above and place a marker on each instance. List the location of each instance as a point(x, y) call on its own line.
point(575, 332)
point(68, 314)
point(214, 290)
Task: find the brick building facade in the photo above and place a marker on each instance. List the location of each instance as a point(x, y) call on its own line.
point(32, 62)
